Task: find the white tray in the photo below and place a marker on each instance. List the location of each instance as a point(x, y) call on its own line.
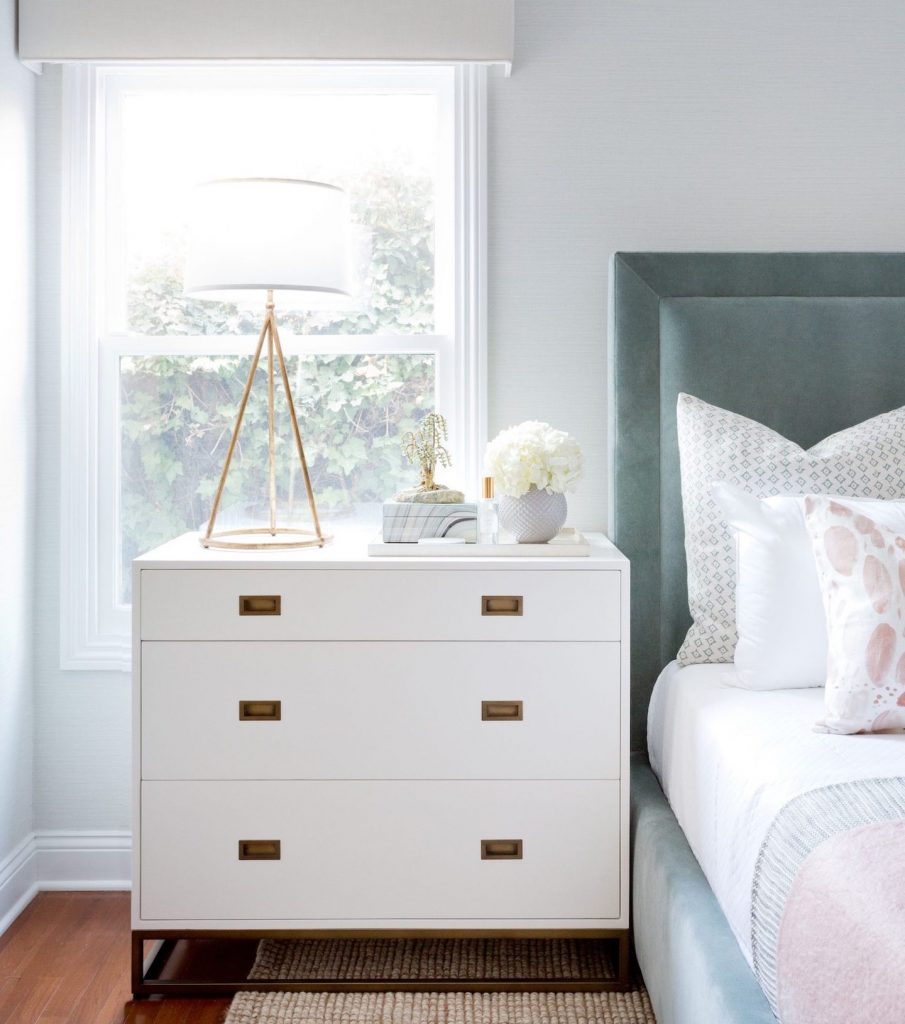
point(567, 543)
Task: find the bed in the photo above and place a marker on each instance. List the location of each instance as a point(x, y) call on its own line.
point(752, 333)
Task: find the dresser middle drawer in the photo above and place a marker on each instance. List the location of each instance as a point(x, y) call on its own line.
point(226, 711)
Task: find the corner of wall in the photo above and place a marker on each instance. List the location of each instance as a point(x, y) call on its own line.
point(17, 469)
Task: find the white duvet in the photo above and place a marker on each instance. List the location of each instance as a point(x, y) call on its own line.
point(730, 759)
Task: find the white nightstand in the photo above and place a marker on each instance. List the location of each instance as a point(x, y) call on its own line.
point(331, 745)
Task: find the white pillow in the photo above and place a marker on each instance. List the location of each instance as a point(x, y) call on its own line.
point(865, 461)
point(861, 567)
point(779, 609)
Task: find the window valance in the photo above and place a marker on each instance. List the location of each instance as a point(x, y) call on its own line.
point(166, 30)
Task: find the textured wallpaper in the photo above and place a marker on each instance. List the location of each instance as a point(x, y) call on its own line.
point(655, 125)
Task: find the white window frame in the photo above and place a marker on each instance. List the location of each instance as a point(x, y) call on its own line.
point(95, 629)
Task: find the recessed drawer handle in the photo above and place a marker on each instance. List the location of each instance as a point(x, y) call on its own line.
point(259, 604)
point(495, 605)
point(501, 711)
point(501, 849)
point(260, 710)
point(259, 849)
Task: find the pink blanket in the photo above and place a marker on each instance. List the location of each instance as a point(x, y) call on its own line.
point(841, 949)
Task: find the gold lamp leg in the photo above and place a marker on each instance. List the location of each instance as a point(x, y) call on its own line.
point(316, 537)
point(232, 441)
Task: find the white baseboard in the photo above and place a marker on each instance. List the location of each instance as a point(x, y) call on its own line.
point(71, 861)
point(84, 860)
point(18, 881)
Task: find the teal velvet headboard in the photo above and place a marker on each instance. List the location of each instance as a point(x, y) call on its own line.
point(808, 343)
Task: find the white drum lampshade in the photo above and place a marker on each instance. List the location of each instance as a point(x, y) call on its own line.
point(260, 234)
point(288, 239)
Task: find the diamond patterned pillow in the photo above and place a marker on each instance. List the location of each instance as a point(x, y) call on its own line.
point(865, 461)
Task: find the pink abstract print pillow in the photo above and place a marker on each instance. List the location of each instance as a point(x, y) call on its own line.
point(861, 567)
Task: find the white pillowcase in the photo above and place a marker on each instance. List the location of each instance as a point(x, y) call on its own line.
point(865, 461)
point(861, 567)
point(779, 608)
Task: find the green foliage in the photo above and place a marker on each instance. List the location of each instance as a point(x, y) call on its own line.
point(177, 412)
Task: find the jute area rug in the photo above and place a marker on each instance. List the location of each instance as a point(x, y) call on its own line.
point(288, 960)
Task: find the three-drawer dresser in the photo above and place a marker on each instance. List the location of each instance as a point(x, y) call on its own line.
point(329, 745)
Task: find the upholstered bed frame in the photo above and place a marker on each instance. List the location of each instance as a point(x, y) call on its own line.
point(808, 343)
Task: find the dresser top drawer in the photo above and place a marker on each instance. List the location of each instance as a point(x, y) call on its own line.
point(351, 604)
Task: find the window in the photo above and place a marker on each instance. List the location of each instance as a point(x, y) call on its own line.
point(153, 377)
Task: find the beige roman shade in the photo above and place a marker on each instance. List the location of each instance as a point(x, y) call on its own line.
point(391, 30)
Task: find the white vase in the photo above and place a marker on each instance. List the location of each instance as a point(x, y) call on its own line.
point(533, 518)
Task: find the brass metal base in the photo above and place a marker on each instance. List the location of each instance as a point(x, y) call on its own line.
point(212, 538)
point(278, 541)
point(147, 970)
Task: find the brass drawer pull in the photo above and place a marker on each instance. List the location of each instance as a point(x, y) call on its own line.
point(259, 604)
point(495, 605)
point(501, 711)
point(501, 849)
point(259, 849)
point(260, 710)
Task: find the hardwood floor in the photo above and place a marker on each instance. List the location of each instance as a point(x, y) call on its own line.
point(65, 960)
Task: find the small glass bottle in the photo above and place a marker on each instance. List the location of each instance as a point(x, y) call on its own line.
point(488, 515)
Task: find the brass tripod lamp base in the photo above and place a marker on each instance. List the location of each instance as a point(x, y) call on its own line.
point(278, 537)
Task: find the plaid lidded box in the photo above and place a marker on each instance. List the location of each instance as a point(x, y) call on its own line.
point(407, 522)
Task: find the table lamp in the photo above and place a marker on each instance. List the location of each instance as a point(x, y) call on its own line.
point(276, 236)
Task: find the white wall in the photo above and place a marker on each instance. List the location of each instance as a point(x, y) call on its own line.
point(627, 124)
point(17, 386)
point(663, 125)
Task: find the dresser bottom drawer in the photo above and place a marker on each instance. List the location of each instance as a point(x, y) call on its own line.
point(247, 851)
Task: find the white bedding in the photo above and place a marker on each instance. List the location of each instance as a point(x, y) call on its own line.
point(729, 760)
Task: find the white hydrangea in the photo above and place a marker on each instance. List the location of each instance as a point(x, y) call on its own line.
point(530, 455)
